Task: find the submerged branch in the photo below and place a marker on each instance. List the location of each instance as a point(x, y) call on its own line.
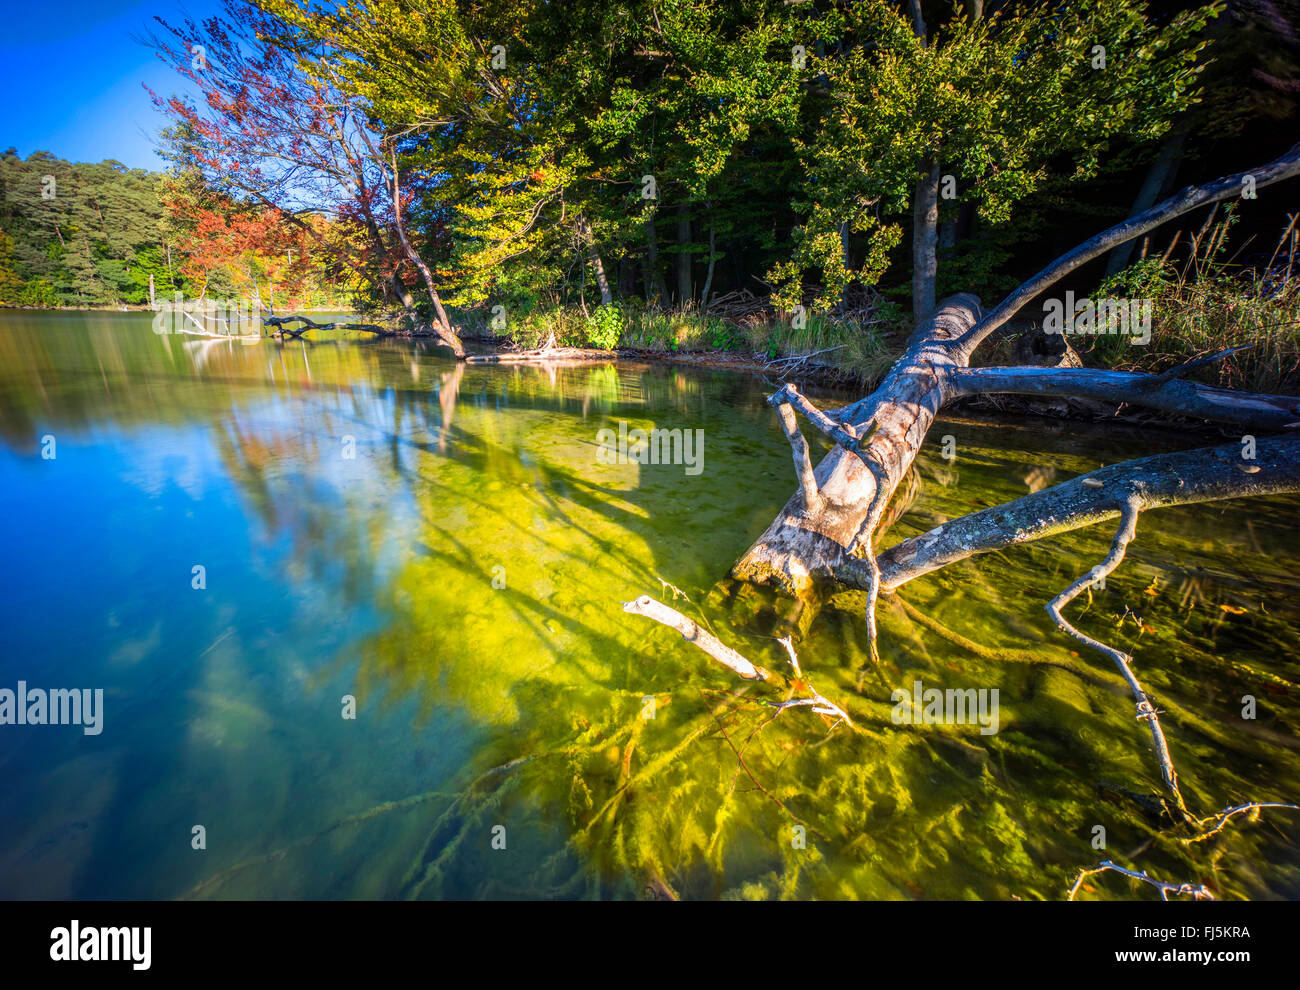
point(1198, 891)
point(1226, 814)
point(692, 633)
point(1146, 711)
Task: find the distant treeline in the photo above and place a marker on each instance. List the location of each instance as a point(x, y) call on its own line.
point(80, 234)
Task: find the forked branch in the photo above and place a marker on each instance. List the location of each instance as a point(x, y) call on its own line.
point(1176, 205)
point(1197, 891)
point(1146, 711)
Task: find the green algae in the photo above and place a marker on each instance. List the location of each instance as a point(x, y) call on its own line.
point(462, 576)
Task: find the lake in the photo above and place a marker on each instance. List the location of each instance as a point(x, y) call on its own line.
point(355, 612)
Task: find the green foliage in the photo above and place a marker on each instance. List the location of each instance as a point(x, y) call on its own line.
point(82, 234)
point(997, 102)
point(555, 151)
point(605, 327)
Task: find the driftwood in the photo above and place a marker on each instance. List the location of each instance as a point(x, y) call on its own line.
point(281, 330)
point(692, 633)
point(826, 531)
point(729, 658)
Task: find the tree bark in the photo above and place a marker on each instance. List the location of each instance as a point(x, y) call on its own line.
point(801, 546)
point(1184, 478)
point(925, 239)
point(685, 292)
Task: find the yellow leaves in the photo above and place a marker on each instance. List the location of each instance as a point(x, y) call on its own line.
point(1233, 609)
point(1152, 589)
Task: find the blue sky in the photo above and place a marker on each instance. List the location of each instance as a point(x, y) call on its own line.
point(72, 75)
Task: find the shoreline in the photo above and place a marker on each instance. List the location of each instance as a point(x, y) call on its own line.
point(792, 368)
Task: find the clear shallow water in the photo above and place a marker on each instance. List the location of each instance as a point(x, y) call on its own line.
point(374, 577)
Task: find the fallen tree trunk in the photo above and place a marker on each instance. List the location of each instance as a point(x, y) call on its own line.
point(1205, 475)
point(878, 437)
point(283, 330)
point(805, 544)
point(1173, 395)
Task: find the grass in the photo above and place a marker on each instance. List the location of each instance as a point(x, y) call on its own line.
point(1205, 305)
point(1201, 305)
point(854, 348)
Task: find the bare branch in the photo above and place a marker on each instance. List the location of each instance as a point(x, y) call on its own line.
point(691, 632)
point(1204, 475)
point(803, 468)
point(846, 435)
point(1176, 205)
point(1187, 367)
point(1197, 891)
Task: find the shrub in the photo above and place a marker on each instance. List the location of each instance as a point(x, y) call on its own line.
point(605, 327)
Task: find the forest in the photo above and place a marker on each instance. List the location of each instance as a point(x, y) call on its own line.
point(105, 236)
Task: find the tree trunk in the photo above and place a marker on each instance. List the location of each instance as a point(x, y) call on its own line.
point(400, 290)
point(404, 296)
point(1159, 179)
point(925, 238)
point(606, 296)
point(803, 546)
point(593, 256)
point(442, 326)
point(708, 277)
point(685, 291)
point(654, 277)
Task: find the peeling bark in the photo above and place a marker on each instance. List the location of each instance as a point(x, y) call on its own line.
point(802, 546)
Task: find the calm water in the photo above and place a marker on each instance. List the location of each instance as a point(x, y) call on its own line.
point(461, 575)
